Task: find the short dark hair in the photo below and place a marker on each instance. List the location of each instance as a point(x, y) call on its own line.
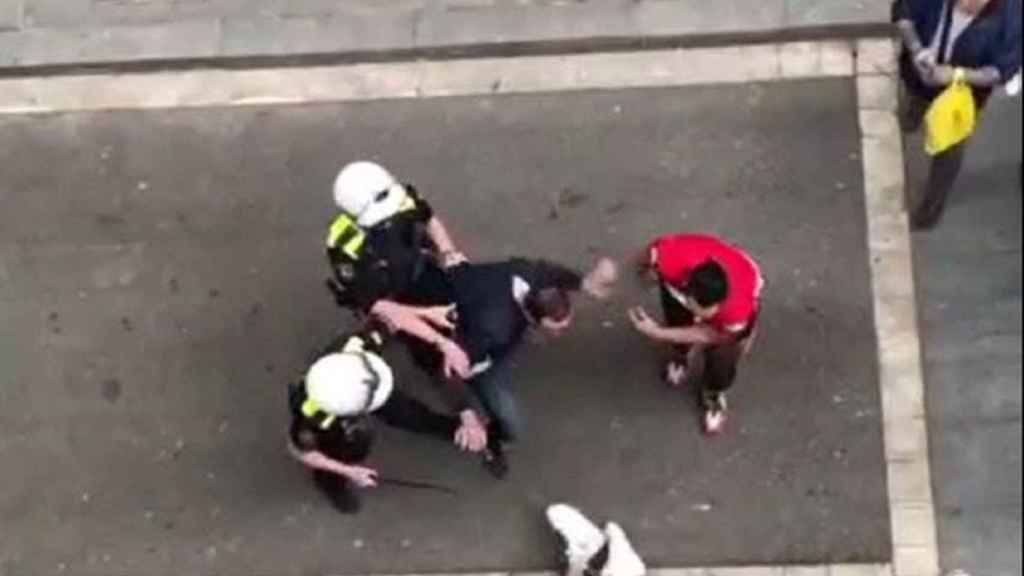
point(708, 284)
point(551, 303)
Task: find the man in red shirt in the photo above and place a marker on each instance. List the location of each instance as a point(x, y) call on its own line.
point(710, 293)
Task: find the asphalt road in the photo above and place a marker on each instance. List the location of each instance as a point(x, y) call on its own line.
point(161, 281)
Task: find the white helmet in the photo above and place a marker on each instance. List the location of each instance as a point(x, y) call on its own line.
point(342, 384)
point(368, 193)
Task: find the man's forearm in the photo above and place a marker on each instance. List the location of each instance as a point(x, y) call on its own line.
point(986, 77)
point(908, 33)
point(689, 335)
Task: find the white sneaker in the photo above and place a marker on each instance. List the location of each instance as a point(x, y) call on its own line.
point(714, 421)
point(675, 374)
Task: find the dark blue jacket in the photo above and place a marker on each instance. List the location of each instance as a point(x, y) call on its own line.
point(491, 321)
point(993, 39)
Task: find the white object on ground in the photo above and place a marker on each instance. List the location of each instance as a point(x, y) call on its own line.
point(584, 540)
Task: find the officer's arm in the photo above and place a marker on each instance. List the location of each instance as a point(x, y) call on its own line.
point(317, 460)
point(407, 319)
point(302, 445)
point(312, 458)
point(440, 236)
point(438, 233)
point(436, 230)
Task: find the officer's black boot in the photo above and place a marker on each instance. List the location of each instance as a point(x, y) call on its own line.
point(338, 490)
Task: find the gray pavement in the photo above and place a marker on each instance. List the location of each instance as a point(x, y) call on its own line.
point(45, 35)
point(969, 284)
point(161, 280)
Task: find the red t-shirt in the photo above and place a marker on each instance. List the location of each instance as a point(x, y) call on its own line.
point(675, 257)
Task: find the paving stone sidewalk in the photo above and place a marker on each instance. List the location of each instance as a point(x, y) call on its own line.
point(48, 35)
point(969, 295)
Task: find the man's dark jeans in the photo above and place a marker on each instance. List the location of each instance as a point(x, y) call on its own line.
point(721, 361)
point(927, 209)
point(494, 389)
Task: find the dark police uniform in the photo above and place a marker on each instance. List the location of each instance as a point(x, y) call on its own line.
point(350, 439)
point(389, 261)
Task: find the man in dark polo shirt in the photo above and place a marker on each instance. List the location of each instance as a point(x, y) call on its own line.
point(497, 304)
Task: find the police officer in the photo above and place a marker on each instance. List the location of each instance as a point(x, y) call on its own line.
point(387, 251)
point(331, 431)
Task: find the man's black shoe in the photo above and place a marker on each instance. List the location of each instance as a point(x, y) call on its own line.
point(496, 463)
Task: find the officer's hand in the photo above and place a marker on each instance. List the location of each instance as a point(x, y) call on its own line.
point(440, 316)
point(456, 362)
point(471, 436)
point(362, 476)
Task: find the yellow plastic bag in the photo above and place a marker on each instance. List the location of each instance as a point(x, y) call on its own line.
point(951, 118)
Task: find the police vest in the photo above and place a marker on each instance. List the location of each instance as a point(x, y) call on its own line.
point(352, 253)
point(347, 237)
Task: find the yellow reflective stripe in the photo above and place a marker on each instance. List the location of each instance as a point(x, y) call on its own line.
point(354, 344)
point(310, 408)
point(346, 232)
point(353, 246)
point(340, 225)
point(407, 205)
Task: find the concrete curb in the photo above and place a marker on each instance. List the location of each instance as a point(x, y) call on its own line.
point(911, 507)
point(794, 570)
point(202, 88)
point(871, 62)
point(403, 34)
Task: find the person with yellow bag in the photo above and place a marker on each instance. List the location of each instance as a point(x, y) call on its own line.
point(955, 52)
